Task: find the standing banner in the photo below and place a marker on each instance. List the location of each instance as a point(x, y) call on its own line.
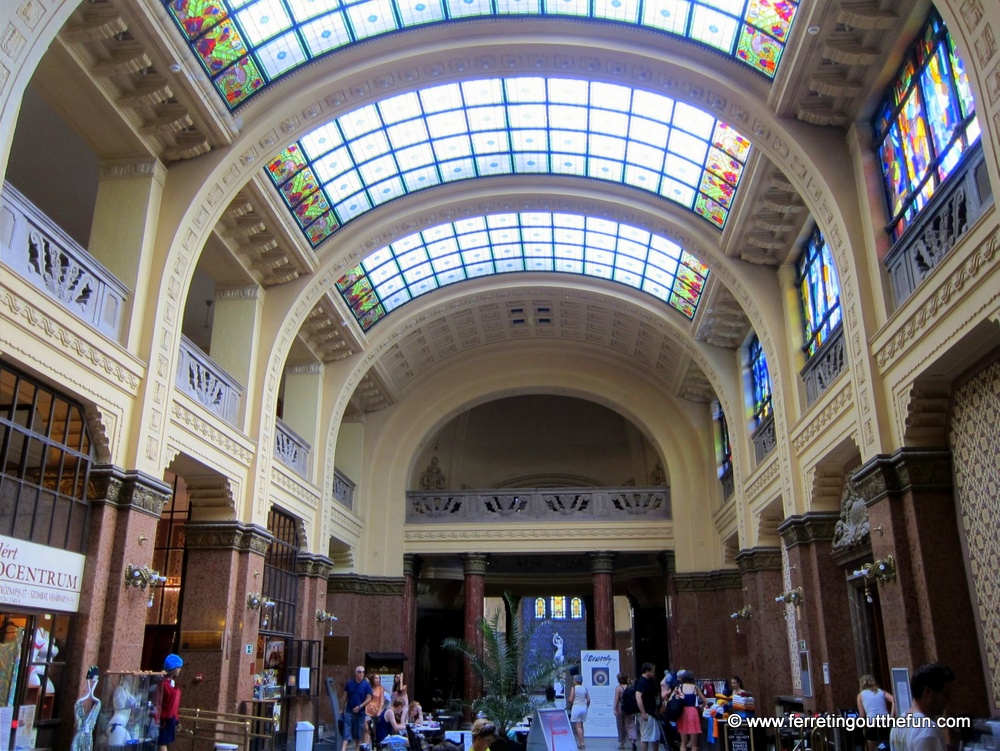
point(600, 676)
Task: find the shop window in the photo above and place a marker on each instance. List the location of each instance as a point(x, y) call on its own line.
point(925, 124)
point(45, 458)
point(760, 381)
point(819, 292)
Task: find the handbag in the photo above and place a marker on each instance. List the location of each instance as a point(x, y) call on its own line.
point(673, 709)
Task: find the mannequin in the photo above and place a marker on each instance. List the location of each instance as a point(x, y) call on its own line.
point(123, 701)
point(83, 736)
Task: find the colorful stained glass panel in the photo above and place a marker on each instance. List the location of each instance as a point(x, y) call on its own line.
point(558, 607)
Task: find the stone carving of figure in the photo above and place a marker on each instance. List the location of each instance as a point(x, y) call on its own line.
point(557, 642)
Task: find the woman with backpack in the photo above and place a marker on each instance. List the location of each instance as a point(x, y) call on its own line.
point(625, 708)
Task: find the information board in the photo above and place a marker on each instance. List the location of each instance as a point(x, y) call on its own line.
point(550, 731)
point(599, 669)
point(738, 739)
point(901, 690)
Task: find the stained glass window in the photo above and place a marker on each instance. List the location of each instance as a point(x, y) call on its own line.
point(521, 242)
point(539, 608)
point(576, 608)
point(725, 448)
point(819, 292)
point(503, 126)
point(245, 45)
point(558, 607)
point(925, 124)
point(760, 381)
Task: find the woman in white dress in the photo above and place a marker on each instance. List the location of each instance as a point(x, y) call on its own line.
point(579, 702)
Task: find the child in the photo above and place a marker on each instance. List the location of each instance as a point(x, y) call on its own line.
point(170, 702)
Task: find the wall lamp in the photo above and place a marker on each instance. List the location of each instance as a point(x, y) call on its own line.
point(791, 597)
point(745, 613)
point(323, 617)
point(881, 571)
point(143, 577)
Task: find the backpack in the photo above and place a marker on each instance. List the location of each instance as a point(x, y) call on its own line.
point(629, 704)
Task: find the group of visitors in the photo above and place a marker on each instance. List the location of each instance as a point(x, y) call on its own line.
point(365, 699)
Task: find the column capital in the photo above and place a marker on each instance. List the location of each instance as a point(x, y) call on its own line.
point(706, 581)
point(130, 489)
point(412, 564)
point(805, 529)
point(602, 562)
point(313, 565)
point(668, 562)
point(474, 563)
point(908, 469)
point(229, 535)
point(756, 559)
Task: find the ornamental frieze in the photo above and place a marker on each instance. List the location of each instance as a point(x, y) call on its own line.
point(133, 490)
point(906, 470)
point(752, 560)
point(708, 581)
point(227, 536)
point(313, 565)
point(806, 529)
point(365, 585)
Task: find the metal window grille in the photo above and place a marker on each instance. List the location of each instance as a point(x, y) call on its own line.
point(281, 581)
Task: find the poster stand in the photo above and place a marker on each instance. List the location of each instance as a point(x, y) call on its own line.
point(551, 731)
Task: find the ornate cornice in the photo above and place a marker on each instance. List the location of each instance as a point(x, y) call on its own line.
point(474, 563)
point(602, 562)
point(658, 532)
point(250, 292)
point(212, 435)
point(708, 581)
point(726, 515)
point(299, 490)
point(133, 490)
point(313, 565)
point(129, 168)
point(765, 477)
point(906, 470)
point(757, 559)
point(668, 562)
point(818, 423)
point(312, 368)
point(365, 585)
point(938, 303)
point(411, 565)
point(806, 529)
point(230, 535)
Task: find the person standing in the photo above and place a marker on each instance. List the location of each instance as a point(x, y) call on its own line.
point(647, 690)
point(170, 703)
point(930, 689)
point(689, 724)
point(617, 709)
point(357, 695)
point(579, 702)
point(874, 702)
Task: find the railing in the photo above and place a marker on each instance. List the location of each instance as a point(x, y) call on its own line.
point(343, 489)
point(207, 383)
point(291, 449)
point(728, 484)
point(205, 729)
point(535, 505)
point(825, 365)
point(50, 260)
point(940, 225)
point(764, 438)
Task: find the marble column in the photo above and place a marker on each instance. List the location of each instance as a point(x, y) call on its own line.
point(824, 617)
point(927, 610)
point(474, 568)
point(225, 564)
point(313, 571)
point(411, 575)
point(602, 567)
point(704, 635)
point(766, 670)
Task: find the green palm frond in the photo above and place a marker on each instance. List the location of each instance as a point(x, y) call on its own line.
point(500, 665)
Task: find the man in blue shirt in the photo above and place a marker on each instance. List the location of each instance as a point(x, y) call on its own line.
point(357, 694)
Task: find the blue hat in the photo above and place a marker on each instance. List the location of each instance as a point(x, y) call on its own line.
point(172, 663)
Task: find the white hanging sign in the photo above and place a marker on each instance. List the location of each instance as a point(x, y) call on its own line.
point(40, 577)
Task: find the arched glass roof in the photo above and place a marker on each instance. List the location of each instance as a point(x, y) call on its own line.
point(501, 126)
point(244, 45)
point(528, 241)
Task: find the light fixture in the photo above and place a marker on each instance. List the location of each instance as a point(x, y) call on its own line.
point(143, 577)
point(324, 617)
point(791, 597)
point(266, 603)
point(745, 613)
point(254, 601)
point(208, 311)
point(881, 571)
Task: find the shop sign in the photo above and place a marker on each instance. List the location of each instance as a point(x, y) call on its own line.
point(37, 576)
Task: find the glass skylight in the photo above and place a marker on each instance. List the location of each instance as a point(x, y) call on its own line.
point(244, 45)
point(507, 126)
point(528, 241)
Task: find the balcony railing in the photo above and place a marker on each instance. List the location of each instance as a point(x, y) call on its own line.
point(534, 505)
point(825, 365)
point(343, 489)
point(728, 484)
point(41, 253)
point(291, 449)
point(940, 225)
point(764, 438)
point(207, 383)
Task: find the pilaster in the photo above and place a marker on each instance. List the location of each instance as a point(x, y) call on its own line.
point(602, 567)
point(474, 567)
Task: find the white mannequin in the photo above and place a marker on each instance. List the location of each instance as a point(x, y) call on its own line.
point(41, 651)
point(123, 701)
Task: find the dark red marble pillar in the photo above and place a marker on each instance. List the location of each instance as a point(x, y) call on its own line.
point(474, 567)
point(411, 573)
point(602, 566)
point(927, 609)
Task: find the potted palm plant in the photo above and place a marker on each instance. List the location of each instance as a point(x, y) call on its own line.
point(507, 681)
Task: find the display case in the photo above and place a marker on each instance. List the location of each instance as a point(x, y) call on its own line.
point(130, 711)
